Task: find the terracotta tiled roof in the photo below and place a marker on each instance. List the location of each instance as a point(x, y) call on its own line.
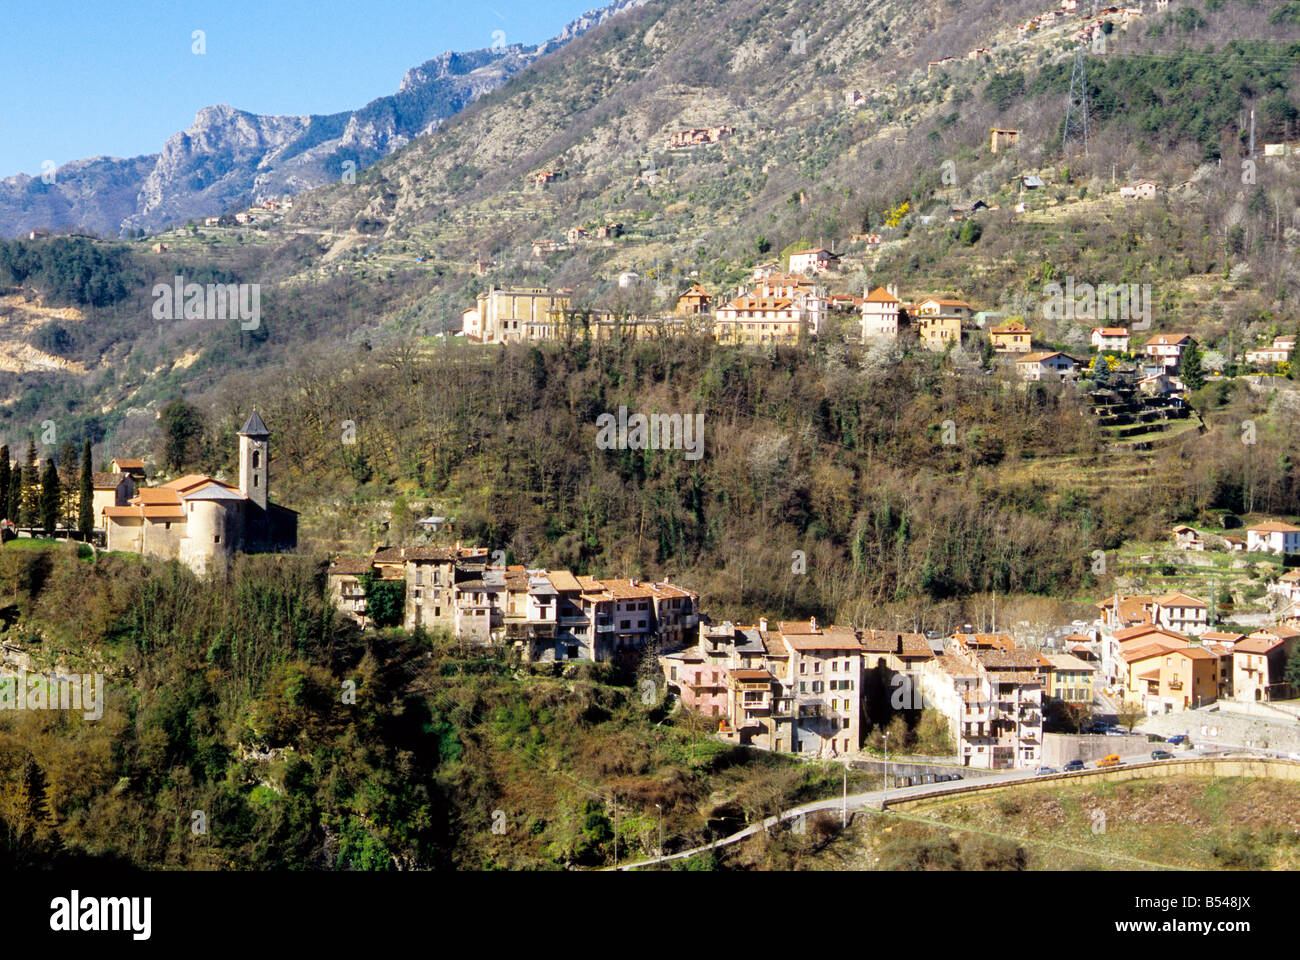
point(349, 566)
point(1273, 526)
point(563, 580)
point(107, 481)
point(1180, 600)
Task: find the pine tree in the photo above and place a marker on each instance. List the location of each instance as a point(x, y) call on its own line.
point(86, 507)
point(4, 482)
point(50, 498)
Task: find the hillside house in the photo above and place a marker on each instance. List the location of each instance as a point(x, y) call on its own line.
point(516, 314)
point(109, 490)
point(694, 302)
point(1157, 385)
point(1011, 337)
point(752, 319)
point(938, 332)
point(1273, 536)
point(993, 705)
point(131, 466)
point(818, 260)
point(1142, 190)
point(1046, 366)
point(1259, 664)
point(343, 579)
point(1278, 352)
point(1071, 679)
point(1171, 680)
point(1110, 339)
point(576, 234)
point(881, 311)
point(697, 136)
point(1188, 538)
point(1287, 586)
point(1181, 613)
point(1166, 349)
point(826, 668)
point(945, 307)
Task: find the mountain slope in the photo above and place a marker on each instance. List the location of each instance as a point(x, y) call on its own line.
point(231, 157)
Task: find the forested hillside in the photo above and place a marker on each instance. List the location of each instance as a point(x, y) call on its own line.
point(251, 728)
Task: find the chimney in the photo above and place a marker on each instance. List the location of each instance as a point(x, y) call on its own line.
point(403, 553)
point(893, 289)
point(762, 624)
point(812, 624)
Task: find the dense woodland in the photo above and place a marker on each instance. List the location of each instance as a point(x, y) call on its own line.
point(823, 449)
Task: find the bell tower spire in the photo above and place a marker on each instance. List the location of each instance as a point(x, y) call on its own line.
point(254, 454)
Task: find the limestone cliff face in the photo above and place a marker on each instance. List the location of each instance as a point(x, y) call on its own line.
point(229, 158)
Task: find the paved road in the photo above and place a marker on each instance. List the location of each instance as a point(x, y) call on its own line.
point(875, 799)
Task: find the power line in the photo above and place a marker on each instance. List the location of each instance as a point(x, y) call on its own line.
point(1076, 106)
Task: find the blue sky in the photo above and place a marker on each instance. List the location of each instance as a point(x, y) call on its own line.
point(118, 77)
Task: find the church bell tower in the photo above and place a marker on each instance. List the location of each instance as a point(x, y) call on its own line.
point(254, 454)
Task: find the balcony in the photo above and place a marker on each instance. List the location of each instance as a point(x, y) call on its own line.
point(604, 628)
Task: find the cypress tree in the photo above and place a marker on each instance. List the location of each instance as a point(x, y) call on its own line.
point(15, 496)
point(32, 486)
point(50, 498)
point(86, 508)
point(4, 482)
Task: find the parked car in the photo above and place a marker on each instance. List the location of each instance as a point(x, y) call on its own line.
point(1161, 755)
point(1045, 771)
point(1073, 765)
point(1110, 760)
point(1293, 755)
point(1178, 738)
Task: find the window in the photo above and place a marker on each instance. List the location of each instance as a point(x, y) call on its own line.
point(257, 459)
point(217, 538)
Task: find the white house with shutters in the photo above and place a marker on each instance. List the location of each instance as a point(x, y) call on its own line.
point(1273, 536)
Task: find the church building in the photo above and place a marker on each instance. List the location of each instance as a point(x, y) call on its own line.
point(202, 521)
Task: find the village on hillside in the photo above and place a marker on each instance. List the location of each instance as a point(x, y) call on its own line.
point(1166, 664)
